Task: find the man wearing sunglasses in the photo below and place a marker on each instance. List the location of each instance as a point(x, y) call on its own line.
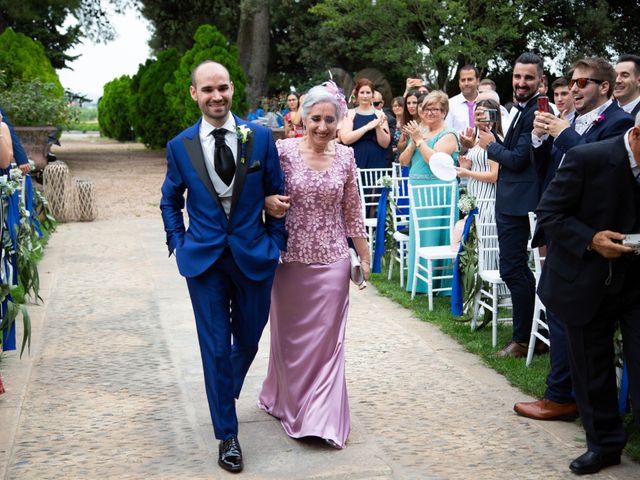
point(597, 117)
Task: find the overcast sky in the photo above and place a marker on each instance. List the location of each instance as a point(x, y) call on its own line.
point(100, 63)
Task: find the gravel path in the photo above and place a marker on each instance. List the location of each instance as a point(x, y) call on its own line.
point(113, 386)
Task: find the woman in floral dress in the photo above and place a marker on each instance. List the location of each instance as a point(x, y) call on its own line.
point(305, 386)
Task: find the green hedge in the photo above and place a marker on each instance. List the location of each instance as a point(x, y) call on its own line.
point(114, 109)
point(23, 59)
point(154, 123)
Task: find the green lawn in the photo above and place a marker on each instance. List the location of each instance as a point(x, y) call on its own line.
point(530, 380)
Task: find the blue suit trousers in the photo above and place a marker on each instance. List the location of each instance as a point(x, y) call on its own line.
point(231, 312)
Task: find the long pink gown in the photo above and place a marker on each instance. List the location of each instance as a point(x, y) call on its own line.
point(305, 386)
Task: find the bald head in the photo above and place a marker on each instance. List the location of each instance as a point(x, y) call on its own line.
point(489, 95)
point(212, 89)
point(210, 67)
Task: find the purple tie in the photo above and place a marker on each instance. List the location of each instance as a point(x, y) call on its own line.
point(471, 107)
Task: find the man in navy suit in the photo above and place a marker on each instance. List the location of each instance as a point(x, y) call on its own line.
point(592, 282)
point(627, 89)
point(229, 253)
point(598, 117)
point(517, 193)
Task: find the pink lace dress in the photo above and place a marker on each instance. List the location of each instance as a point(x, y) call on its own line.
point(305, 386)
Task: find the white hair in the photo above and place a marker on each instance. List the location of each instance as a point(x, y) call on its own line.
point(320, 94)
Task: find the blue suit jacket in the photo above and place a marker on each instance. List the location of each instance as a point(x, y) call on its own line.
point(19, 155)
point(517, 190)
point(255, 244)
point(549, 155)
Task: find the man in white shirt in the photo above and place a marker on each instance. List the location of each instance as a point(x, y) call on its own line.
point(627, 89)
point(462, 106)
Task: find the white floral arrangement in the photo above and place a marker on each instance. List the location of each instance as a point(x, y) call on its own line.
point(385, 181)
point(466, 203)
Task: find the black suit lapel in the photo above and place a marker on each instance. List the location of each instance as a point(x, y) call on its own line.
point(514, 130)
point(242, 163)
point(194, 150)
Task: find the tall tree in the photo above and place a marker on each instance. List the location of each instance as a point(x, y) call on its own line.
point(253, 44)
point(176, 21)
point(45, 21)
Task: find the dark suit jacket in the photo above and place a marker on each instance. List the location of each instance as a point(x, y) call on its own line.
point(19, 155)
point(517, 191)
point(593, 190)
point(255, 244)
point(635, 110)
point(548, 156)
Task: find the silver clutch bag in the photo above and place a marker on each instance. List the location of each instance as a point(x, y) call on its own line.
point(357, 275)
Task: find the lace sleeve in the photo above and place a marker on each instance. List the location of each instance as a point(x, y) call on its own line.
point(351, 204)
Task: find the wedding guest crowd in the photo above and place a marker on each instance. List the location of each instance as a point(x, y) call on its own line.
point(575, 163)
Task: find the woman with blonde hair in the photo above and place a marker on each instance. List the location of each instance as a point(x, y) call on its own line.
point(425, 139)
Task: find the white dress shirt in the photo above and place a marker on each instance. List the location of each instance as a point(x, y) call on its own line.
point(458, 118)
point(632, 161)
point(630, 106)
point(208, 143)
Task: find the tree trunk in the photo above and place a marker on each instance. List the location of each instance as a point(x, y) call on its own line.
point(253, 42)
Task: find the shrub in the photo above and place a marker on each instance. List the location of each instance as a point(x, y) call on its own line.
point(113, 109)
point(153, 121)
point(209, 44)
point(33, 103)
point(24, 59)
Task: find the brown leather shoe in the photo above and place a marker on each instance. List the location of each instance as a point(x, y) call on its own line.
point(541, 348)
point(544, 409)
point(513, 349)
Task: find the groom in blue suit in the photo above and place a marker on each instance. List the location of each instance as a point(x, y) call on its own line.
point(230, 251)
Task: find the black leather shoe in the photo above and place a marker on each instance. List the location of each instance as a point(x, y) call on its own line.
point(592, 462)
point(230, 455)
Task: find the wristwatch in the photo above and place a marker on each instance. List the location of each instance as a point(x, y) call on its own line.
point(419, 142)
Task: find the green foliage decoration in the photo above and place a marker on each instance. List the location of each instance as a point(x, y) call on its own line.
point(29, 248)
point(153, 121)
point(114, 109)
point(209, 44)
point(24, 59)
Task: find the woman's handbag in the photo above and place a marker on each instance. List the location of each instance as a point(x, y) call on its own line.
point(357, 274)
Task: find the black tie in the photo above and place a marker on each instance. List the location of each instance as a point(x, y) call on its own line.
point(223, 160)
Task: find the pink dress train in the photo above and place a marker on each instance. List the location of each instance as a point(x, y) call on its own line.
point(305, 385)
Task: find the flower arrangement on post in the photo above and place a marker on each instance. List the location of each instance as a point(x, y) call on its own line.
point(22, 241)
point(386, 182)
point(468, 258)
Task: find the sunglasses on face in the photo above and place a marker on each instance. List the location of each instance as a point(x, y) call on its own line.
point(377, 104)
point(582, 82)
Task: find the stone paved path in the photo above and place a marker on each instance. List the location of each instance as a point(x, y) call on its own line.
point(113, 387)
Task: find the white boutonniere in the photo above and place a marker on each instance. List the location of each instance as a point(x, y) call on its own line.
point(243, 132)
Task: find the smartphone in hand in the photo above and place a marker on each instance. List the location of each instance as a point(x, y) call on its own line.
point(543, 103)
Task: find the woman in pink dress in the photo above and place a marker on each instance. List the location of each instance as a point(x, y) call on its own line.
point(305, 386)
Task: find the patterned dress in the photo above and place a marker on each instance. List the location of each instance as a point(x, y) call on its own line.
point(305, 386)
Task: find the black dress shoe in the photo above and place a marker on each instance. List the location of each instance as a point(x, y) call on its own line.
point(593, 462)
point(230, 455)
